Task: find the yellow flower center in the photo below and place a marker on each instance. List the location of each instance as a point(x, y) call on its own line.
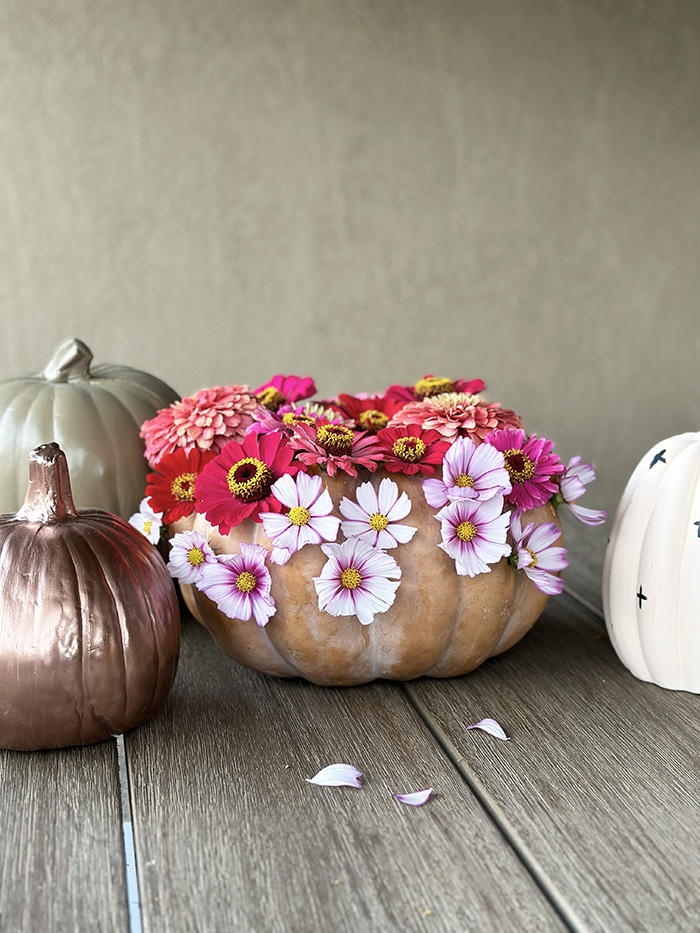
point(520, 467)
point(182, 487)
point(299, 515)
point(464, 479)
point(335, 438)
point(246, 581)
point(195, 556)
point(147, 526)
point(533, 556)
point(350, 578)
point(249, 479)
point(291, 418)
point(373, 420)
point(466, 531)
point(411, 449)
point(270, 398)
point(425, 388)
point(378, 522)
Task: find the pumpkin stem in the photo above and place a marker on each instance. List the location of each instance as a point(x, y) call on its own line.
point(70, 363)
point(49, 497)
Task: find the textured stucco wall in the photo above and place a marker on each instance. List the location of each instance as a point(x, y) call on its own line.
point(366, 191)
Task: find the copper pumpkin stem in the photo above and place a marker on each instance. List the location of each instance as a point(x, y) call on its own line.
point(49, 497)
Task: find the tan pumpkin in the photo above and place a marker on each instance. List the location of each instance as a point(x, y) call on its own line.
point(94, 414)
point(89, 620)
point(440, 625)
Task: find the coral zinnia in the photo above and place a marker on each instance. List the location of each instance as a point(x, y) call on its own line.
point(455, 413)
point(282, 390)
point(531, 466)
point(207, 420)
point(434, 385)
point(410, 449)
point(236, 484)
point(369, 414)
point(171, 489)
point(335, 447)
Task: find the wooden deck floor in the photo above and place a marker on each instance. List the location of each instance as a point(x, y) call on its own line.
point(201, 820)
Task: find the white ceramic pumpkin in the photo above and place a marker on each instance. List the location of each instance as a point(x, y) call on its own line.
point(651, 580)
point(94, 414)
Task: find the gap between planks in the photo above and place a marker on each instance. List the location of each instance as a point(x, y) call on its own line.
point(497, 816)
point(132, 880)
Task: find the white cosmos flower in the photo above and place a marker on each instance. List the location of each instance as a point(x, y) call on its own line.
point(147, 521)
point(307, 520)
point(374, 516)
point(189, 552)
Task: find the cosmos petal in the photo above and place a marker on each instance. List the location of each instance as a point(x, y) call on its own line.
point(490, 726)
point(415, 799)
point(337, 775)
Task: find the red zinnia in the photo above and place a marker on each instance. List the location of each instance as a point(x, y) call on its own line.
point(410, 449)
point(236, 484)
point(434, 385)
point(369, 414)
point(171, 489)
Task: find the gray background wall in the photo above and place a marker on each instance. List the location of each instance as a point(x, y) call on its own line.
point(365, 191)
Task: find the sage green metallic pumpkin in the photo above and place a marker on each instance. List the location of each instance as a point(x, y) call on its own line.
point(94, 414)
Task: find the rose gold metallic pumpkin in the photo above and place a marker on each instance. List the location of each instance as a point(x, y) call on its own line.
point(440, 625)
point(89, 621)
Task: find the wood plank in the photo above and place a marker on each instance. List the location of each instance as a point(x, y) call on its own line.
point(63, 865)
point(230, 836)
point(599, 784)
point(586, 546)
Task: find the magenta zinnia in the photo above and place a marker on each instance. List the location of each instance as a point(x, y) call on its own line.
point(240, 584)
point(531, 465)
point(474, 533)
point(283, 390)
point(434, 385)
point(457, 414)
point(356, 580)
point(207, 420)
point(335, 447)
point(236, 484)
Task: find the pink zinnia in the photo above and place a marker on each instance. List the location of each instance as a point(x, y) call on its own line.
point(335, 447)
point(287, 416)
point(434, 385)
point(474, 533)
point(457, 414)
point(282, 390)
point(531, 466)
point(356, 580)
point(240, 584)
point(536, 555)
point(207, 420)
point(237, 484)
point(468, 472)
point(307, 521)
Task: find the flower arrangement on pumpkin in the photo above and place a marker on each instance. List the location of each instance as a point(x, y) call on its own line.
point(232, 454)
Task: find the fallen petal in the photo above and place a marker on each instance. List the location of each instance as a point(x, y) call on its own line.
point(337, 775)
point(416, 799)
point(490, 726)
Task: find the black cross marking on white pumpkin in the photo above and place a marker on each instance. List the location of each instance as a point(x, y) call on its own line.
point(658, 458)
point(697, 525)
point(640, 596)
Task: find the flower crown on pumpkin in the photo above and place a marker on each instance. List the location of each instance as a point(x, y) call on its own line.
point(233, 454)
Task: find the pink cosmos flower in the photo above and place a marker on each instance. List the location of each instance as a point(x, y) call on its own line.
point(454, 414)
point(434, 385)
point(531, 466)
point(374, 516)
point(572, 485)
point(468, 472)
point(237, 484)
point(474, 533)
point(189, 552)
point(282, 390)
point(357, 579)
point(240, 584)
point(335, 447)
point(207, 420)
point(534, 552)
point(307, 521)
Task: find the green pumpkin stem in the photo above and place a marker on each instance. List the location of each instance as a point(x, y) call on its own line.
point(70, 363)
point(49, 497)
